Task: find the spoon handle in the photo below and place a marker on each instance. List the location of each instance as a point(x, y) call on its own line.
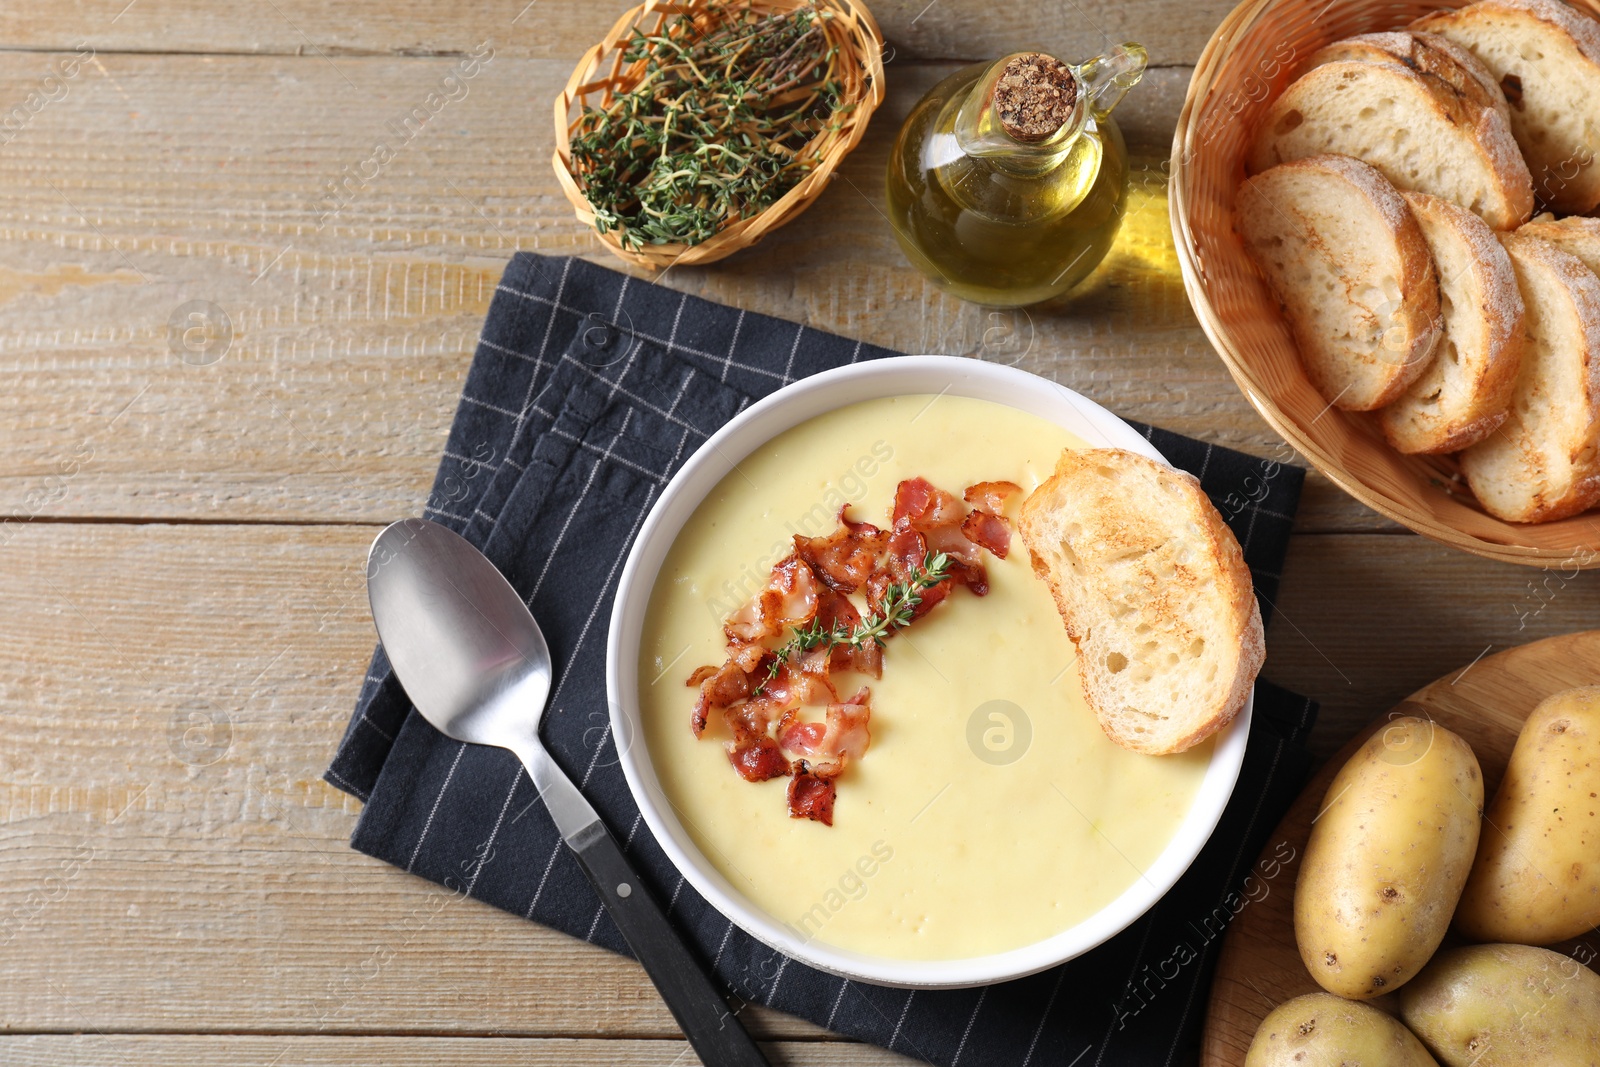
point(716, 1034)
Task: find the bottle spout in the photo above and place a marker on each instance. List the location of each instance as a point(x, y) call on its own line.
point(1107, 79)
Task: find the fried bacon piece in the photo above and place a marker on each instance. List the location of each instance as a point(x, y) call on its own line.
point(987, 531)
point(834, 609)
point(754, 716)
point(728, 684)
point(756, 757)
point(748, 656)
point(794, 686)
point(754, 713)
point(937, 516)
point(991, 496)
point(908, 550)
point(843, 735)
point(811, 795)
point(790, 599)
point(986, 524)
point(922, 506)
point(845, 558)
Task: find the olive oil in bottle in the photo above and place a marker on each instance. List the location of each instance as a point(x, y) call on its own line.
point(1008, 181)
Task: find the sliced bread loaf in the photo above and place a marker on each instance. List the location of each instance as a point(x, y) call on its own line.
point(1465, 393)
point(1576, 236)
point(1427, 54)
point(1419, 131)
point(1541, 464)
point(1349, 265)
point(1154, 592)
point(1546, 58)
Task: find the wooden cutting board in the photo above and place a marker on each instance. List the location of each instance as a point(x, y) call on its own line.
point(1486, 703)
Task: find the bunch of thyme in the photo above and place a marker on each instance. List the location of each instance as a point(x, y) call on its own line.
point(898, 604)
point(724, 121)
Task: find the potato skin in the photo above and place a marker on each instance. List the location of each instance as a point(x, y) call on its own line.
point(1320, 1028)
point(1506, 1006)
point(1387, 858)
point(1537, 876)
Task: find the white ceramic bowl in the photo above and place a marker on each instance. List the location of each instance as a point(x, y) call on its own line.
point(755, 426)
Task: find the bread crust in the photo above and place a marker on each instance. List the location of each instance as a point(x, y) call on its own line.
point(1418, 309)
point(1584, 31)
point(1455, 101)
point(1575, 234)
point(1456, 70)
point(1222, 560)
point(1579, 190)
point(1582, 489)
point(1498, 305)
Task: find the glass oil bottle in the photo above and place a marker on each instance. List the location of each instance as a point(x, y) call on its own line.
point(1008, 181)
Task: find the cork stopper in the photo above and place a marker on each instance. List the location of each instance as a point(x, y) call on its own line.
point(1034, 96)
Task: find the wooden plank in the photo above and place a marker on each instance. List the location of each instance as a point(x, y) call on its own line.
point(139, 1050)
point(224, 898)
point(1364, 621)
point(159, 181)
point(140, 889)
point(1174, 32)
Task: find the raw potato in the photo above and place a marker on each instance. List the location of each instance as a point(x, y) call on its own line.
point(1537, 876)
point(1319, 1029)
point(1387, 858)
point(1506, 1006)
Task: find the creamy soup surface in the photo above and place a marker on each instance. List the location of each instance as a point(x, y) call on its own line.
point(990, 811)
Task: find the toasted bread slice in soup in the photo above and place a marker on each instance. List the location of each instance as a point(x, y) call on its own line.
point(1546, 58)
point(1350, 267)
point(1542, 464)
point(1465, 393)
point(1576, 236)
point(1423, 134)
point(1154, 592)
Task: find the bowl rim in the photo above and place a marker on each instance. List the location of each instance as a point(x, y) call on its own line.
point(759, 423)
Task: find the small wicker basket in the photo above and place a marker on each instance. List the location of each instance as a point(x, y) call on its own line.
point(602, 73)
point(1253, 55)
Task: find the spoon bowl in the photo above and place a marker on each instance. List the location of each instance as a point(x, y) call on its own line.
point(477, 665)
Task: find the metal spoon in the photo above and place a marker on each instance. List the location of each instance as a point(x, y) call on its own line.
point(474, 663)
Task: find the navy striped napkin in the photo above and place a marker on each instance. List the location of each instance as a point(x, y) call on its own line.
point(587, 392)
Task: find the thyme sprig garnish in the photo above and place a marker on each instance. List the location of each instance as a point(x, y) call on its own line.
point(724, 122)
point(899, 603)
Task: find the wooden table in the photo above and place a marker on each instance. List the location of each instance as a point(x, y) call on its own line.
point(185, 543)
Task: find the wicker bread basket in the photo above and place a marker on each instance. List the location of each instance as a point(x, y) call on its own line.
point(1260, 48)
point(602, 73)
